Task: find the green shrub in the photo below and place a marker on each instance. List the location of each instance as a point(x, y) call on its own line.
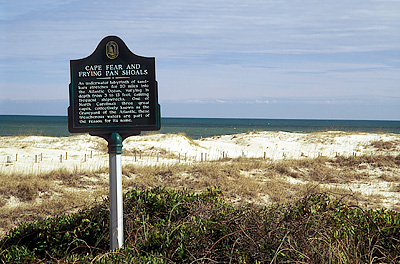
point(178, 226)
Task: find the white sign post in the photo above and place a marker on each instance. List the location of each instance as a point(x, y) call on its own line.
point(116, 202)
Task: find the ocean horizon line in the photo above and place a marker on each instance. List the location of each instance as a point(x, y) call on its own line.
point(237, 118)
point(19, 125)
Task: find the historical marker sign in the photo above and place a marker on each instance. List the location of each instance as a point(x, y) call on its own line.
point(113, 94)
point(113, 90)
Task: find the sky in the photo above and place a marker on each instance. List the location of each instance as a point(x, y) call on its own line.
point(306, 59)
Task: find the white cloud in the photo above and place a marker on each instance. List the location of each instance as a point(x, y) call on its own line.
point(212, 48)
point(194, 27)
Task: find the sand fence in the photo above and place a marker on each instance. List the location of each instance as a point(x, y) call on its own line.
point(37, 154)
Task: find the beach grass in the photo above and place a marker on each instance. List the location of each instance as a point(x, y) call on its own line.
point(242, 180)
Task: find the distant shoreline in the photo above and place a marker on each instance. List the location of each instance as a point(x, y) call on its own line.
point(15, 125)
point(233, 118)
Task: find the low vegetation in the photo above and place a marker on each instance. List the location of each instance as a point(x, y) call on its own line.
point(306, 210)
point(172, 226)
point(384, 145)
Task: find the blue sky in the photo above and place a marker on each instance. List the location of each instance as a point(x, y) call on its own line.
point(255, 58)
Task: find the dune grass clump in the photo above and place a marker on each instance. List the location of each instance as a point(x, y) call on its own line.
point(259, 180)
point(24, 187)
point(178, 226)
point(384, 145)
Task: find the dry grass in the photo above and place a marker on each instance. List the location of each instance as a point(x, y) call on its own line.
point(28, 197)
point(259, 181)
point(395, 188)
point(384, 145)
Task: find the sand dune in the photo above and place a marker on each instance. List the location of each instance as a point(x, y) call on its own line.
point(39, 153)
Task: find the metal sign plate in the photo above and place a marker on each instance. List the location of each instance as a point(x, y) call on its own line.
point(113, 90)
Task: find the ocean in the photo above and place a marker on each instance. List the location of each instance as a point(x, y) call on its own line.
point(200, 127)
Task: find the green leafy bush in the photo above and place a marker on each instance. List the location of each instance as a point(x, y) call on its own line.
point(178, 226)
point(58, 236)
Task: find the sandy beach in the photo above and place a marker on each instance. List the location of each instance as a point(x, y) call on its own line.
point(35, 154)
point(23, 158)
